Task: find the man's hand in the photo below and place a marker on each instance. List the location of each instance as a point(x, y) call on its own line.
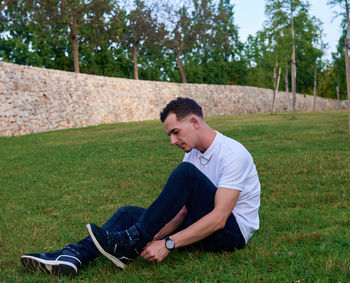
point(155, 251)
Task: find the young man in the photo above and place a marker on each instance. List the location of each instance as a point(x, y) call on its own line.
point(211, 201)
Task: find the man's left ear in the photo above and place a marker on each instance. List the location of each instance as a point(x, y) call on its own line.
point(194, 121)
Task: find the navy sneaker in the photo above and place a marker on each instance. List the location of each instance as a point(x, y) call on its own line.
point(63, 262)
point(118, 247)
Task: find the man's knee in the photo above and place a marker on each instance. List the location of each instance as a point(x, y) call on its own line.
point(123, 209)
point(186, 167)
point(186, 170)
point(189, 173)
point(130, 210)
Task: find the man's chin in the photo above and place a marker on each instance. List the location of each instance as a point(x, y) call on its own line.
point(185, 148)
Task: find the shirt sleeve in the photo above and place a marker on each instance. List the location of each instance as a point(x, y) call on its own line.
point(235, 170)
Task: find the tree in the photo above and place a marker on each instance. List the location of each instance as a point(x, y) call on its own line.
point(276, 82)
point(217, 48)
point(345, 5)
point(201, 52)
point(290, 35)
point(260, 60)
point(181, 37)
point(96, 44)
point(281, 11)
point(338, 63)
point(327, 81)
point(186, 25)
point(89, 36)
point(293, 68)
point(137, 27)
point(154, 57)
point(16, 33)
point(3, 5)
point(315, 86)
point(69, 14)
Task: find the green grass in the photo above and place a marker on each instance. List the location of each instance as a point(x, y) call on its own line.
point(53, 183)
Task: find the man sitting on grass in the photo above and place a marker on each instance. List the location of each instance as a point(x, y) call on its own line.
point(210, 201)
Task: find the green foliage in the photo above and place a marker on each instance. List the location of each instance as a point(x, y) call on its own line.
point(344, 9)
point(219, 57)
point(138, 31)
point(273, 45)
point(199, 37)
point(53, 183)
point(328, 83)
point(261, 61)
point(339, 56)
point(14, 44)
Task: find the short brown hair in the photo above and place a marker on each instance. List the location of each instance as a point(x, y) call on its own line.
point(181, 107)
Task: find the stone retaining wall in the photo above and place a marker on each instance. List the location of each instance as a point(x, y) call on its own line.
point(35, 99)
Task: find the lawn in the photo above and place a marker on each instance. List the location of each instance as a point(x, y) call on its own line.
point(54, 183)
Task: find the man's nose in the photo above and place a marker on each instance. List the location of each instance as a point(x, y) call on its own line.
point(173, 139)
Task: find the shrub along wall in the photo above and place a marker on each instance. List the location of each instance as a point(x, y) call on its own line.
point(35, 99)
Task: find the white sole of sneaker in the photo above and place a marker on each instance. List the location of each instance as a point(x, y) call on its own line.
point(49, 266)
point(112, 258)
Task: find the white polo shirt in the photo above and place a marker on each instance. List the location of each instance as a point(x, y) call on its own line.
point(228, 164)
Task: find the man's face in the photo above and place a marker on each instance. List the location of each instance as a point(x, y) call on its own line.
point(181, 132)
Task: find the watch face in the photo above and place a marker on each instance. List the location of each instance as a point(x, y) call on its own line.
point(170, 244)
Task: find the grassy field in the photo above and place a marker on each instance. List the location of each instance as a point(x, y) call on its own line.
point(53, 183)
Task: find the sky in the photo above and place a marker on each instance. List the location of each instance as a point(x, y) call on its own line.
point(250, 16)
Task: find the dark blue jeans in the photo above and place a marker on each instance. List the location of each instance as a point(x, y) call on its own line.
point(186, 186)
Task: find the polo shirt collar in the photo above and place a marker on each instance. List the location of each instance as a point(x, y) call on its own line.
point(205, 157)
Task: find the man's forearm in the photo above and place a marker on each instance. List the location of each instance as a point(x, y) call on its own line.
point(204, 227)
point(172, 225)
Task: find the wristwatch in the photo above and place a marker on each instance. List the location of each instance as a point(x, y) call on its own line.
point(169, 244)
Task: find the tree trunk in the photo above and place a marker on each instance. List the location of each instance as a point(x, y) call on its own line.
point(134, 54)
point(179, 64)
point(347, 66)
point(294, 75)
point(275, 86)
point(338, 95)
point(2, 7)
point(76, 53)
point(315, 87)
point(347, 40)
point(286, 81)
point(278, 81)
point(74, 33)
point(181, 69)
